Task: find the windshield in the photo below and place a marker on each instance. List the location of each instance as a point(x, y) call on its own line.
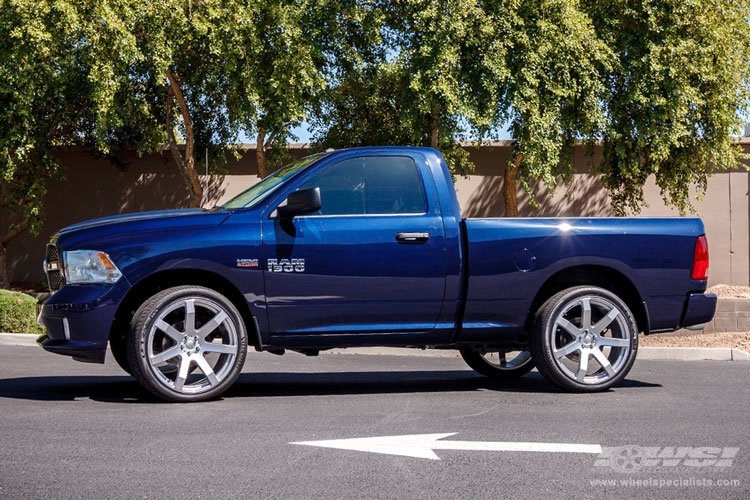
point(259, 191)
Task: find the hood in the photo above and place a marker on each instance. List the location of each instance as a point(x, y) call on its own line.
point(143, 222)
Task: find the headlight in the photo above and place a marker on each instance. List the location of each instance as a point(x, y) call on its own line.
point(89, 266)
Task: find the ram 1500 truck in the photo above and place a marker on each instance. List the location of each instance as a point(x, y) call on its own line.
point(367, 247)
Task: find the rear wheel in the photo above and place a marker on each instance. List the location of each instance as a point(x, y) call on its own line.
point(585, 339)
point(187, 343)
point(501, 365)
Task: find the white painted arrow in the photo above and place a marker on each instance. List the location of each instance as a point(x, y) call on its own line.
point(422, 445)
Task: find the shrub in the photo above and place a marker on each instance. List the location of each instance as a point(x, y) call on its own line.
point(18, 313)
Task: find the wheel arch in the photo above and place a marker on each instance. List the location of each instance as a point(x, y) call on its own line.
point(162, 280)
point(601, 276)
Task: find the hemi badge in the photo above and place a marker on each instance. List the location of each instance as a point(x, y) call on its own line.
point(247, 262)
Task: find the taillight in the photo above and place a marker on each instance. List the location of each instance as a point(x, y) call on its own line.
point(700, 259)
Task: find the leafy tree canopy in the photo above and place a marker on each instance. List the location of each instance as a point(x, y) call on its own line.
point(675, 94)
point(62, 83)
point(661, 85)
point(424, 86)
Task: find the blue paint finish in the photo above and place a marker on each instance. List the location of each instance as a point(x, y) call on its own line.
point(88, 311)
point(653, 254)
point(348, 280)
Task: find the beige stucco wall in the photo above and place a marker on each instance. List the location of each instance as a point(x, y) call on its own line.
point(725, 212)
point(95, 188)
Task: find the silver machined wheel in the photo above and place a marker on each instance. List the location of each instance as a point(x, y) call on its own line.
point(508, 360)
point(189, 344)
point(195, 336)
point(585, 339)
point(505, 364)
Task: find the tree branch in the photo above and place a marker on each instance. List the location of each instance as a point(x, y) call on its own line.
point(186, 164)
point(14, 232)
point(260, 154)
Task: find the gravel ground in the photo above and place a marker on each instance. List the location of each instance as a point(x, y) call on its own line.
point(730, 291)
point(737, 340)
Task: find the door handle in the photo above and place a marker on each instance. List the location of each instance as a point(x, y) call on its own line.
point(412, 237)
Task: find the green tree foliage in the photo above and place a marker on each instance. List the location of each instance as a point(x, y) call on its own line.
point(678, 85)
point(368, 108)
point(424, 85)
point(661, 85)
point(456, 69)
point(60, 85)
point(550, 98)
point(105, 75)
point(281, 69)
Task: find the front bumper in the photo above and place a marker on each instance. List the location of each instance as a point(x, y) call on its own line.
point(87, 352)
point(78, 319)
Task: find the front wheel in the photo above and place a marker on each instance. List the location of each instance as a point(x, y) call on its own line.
point(187, 343)
point(585, 339)
point(502, 365)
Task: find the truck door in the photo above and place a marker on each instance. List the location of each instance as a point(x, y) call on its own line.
point(371, 260)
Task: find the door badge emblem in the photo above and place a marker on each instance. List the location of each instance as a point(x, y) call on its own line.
point(286, 265)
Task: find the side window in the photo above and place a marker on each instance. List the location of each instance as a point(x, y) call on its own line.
point(342, 188)
point(370, 185)
point(394, 186)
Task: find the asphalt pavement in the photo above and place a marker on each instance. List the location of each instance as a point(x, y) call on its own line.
point(353, 426)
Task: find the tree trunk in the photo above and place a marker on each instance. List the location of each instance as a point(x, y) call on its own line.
point(13, 233)
point(435, 132)
point(260, 155)
point(4, 275)
point(186, 164)
point(509, 188)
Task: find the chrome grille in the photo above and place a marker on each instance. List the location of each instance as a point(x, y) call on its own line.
point(53, 268)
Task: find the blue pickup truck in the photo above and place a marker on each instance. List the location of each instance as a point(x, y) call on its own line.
point(367, 247)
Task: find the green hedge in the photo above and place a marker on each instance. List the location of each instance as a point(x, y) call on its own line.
point(18, 313)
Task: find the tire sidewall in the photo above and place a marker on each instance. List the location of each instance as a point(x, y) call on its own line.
point(138, 337)
point(541, 339)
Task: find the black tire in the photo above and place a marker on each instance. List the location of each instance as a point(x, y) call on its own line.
point(120, 352)
point(502, 365)
point(186, 344)
point(580, 325)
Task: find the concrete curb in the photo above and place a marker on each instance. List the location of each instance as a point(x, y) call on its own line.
point(653, 353)
point(18, 339)
point(693, 353)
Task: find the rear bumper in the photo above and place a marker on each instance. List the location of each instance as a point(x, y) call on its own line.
point(700, 309)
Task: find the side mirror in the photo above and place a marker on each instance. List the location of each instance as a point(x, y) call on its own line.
point(300, 202)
